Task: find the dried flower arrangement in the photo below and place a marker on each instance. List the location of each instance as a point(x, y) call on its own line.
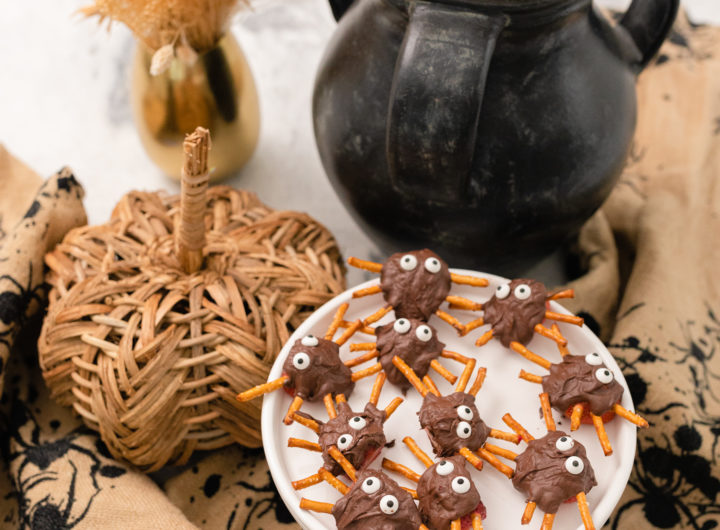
point(170, 28)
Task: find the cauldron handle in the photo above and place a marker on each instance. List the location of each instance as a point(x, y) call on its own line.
point(436, 98)
point(648, 22)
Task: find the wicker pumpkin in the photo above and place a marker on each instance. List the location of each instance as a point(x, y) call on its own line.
point(160, 317)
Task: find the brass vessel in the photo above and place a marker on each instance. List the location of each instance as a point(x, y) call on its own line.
point(216, 92)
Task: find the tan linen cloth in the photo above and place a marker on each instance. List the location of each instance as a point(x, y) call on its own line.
point(648, 284)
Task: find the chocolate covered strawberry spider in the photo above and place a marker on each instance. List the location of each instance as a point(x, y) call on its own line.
point(516, 312)
point(581, 386)
point(415, 342)
point(452, 422)
point(552, 470)
point(447, 497)
point(313, 369)
point(347, 437)
point(415, 284)
point(373, 502)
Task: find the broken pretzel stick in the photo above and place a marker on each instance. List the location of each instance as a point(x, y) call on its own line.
point(576, 416)
point(304, 444)
point(392, 406)
point(315, 506)
point(401, 469)
point(494, 462)
point(547, 411)
point(410, 374)
point(306, 482)
point(631, 417)
point(584, 511)
point(417, 452)
point(344, 462)
point(528, 513)
point(602, 435)
point(369, 266)
point(500, 451)
point(472, 458)
point(333, 481)
point(265, 388)
point(515, 426)
point(462, 279)
point(529, 355)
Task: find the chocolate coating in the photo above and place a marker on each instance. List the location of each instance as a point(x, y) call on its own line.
point(370, 438)
point(415, 352)
point(358, 510)
point(540, 472)
point(439, 418)
point(326, 373)
point(417, 293)
point(439, 504)
point(513, 319)
point(573, 381)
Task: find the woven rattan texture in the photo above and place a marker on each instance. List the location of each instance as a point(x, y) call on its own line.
point(152, 357)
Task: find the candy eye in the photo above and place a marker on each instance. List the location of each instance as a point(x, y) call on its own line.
point(465, 412)
point(502, 291)
point(444, 468)
point(389, 504)
point(593, 358)
point(309, 340)
point(460, 485)
point(424, 333)
point(402, 325)
point(604, 375)
point(433, 265)
point(357, 423)
point(408, 262)
point(463, 430)
point(574, 465)
point(301, 360)
point(371, 485)
point(344, 442)
point(522, 292)
point(565, 443)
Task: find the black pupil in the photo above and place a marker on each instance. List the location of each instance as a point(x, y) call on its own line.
point(563, 439)
point(467, 430)
point(301, 360)
point(443, 462)
point(369, 482)
point(607, 373)
point(426, 331)
point(390, 504)
point(467, 410)
point(343, 440)
point(575, 463)
point(356, 420)
point(460, 481)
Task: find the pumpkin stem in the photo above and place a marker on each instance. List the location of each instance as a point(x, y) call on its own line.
point(190, 238)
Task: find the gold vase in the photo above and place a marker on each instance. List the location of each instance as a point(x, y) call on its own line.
point(216, 92)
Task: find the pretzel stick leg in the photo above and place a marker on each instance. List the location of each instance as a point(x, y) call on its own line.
point(472, 458)
point(374, 289)
point(548, 521)
point(479, 380)
point(484, 338)
point(294, 407)
point(529, 355)
point(410, 374)
point(366, 372)
point(547, 411)
point(565, 293)
point(419, 453)
point(304, 444)
point(454, 322)
point(562, 348)
point(315, 506)
point(530, 377)
point(360, 359)
point(602, 435)
point(336, 321)
point(465, 376)
point(340, 398)
point(456, 525)
point(392, 407)
point(631, 417)
point(362, 346)
point(377, 315)
point(430, 384)
point(444, 372)
point(545, 332)
point(423, 527)
point(329, 406)
point(528, 513)
point(455, 356)
point(507, 436)
point(515, 426)
point(362, 329)
point(576, 416)
point(458, 302)
point(377, 388)
point(306, 482)
point(265, 388)
point(370, 266)
point(476, 521)
point(344, 462)
point(307, 422)
point(500, 451)
point(412, 492)
point(462, 279)
point(349, 332)
point(494, 462)
point(401, 469)
point(333, 481)
point(584, 511)
point(561, 317)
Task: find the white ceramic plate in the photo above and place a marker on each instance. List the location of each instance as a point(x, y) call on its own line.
point(502, 392)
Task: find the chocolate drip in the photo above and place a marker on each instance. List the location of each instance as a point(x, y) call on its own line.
point(439, 417)
point(513, 319)
point(365, 441)
point(540, 472)
point(326, 373)
point(573, 381)
point(438, 502)
point(416, 293)
point(358, 510)
point(416, 353)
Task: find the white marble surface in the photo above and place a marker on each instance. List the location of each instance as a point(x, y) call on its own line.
point(64, 100)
